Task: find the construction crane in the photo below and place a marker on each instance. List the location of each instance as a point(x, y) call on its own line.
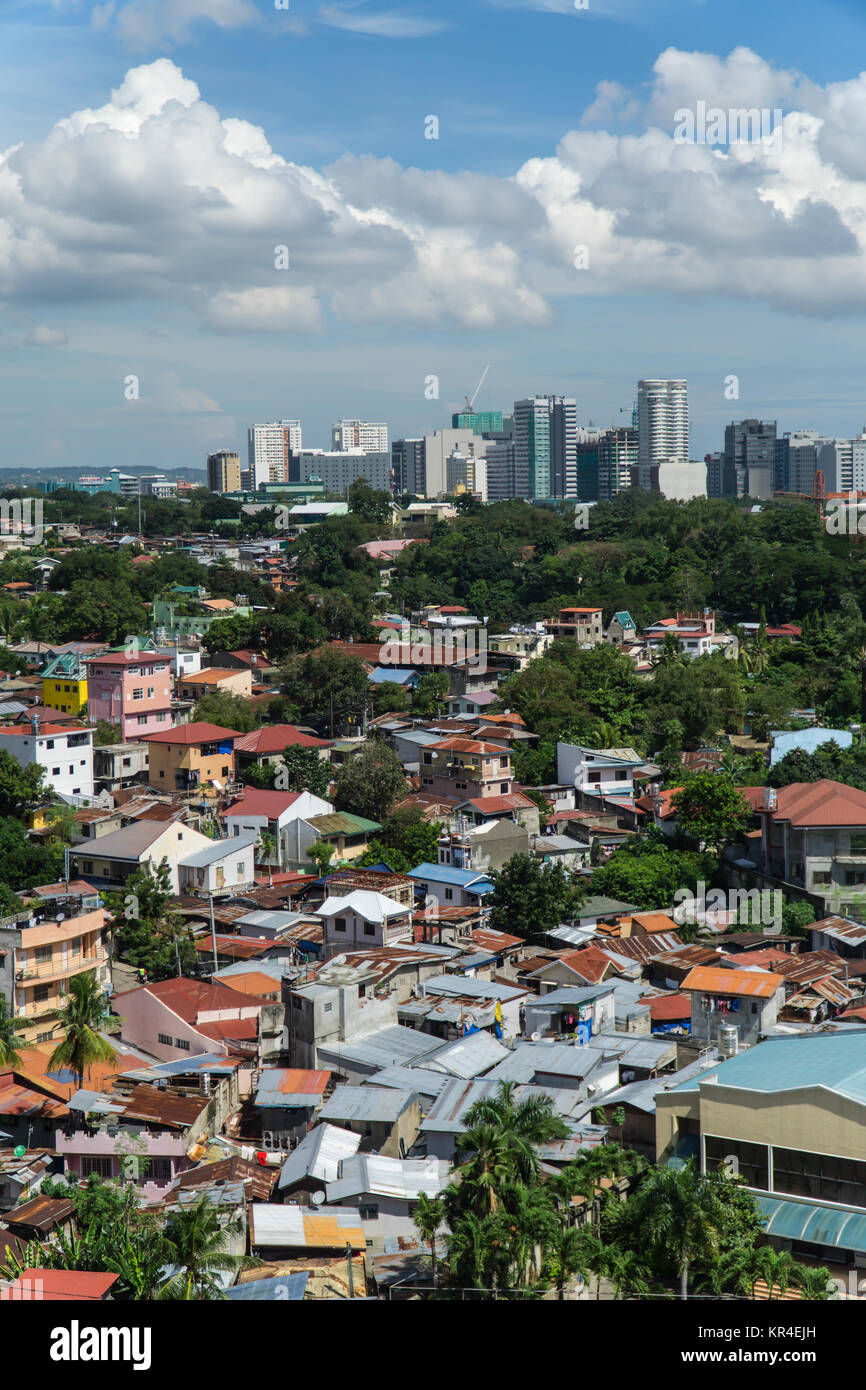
point(470, 405)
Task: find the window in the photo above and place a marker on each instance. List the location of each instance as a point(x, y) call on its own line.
point(102, 1167)
point(55, 772)
point(854, 876)
point(41, 993)
point(339, 924)
point(43, 953)
point(150, 692)
point(752, 1159)
point(49, 743)
point(369, 929)
point(503, 787)
point(368, 1211)
point(858, 844)
point(823, 1177)
point(158, 1169)
point(142, 719)
point(138, 693)
point(182, 1043)
point(328, 1008)
point(164, 1038)
point(821, 876)
point(449, 894)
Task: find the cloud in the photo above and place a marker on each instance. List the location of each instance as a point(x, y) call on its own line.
point(145, 24)
point(157, 197)
point(43, 336)
point(389, 24)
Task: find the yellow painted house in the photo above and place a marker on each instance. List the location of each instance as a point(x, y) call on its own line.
point(64, 684)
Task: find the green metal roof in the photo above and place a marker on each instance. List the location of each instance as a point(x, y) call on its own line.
point(342, 823)
point(834, 1061)
point(843, 1227)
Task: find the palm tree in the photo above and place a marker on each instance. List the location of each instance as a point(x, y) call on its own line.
point(743, 1266)
point(82, 1017)
point(572, 1254)
point(520, 1128)
point(486, 1167)
point(198, 1245)
point(680, 1211)
point(429, 1216)
point(10, 1039)
point(813, 1282)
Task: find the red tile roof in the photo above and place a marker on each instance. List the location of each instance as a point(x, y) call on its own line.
point(820, 803)
point(274, 738)
point(185, 734)
point(261, 803)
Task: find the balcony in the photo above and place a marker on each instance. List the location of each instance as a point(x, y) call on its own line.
point(55, 970)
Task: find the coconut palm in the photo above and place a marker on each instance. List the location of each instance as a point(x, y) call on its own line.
point(571, 1251)
point(10, 1039)
point(81, 1019)
point(198, 1244)
point(428, 1217)
point(680, 1211)
point(519, 1128)
point(488, 1163)
point(813, 1281)
point(741, 1268)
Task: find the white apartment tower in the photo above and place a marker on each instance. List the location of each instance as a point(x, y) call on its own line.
point(663, 426)
point(268, 449)
point(359, 434)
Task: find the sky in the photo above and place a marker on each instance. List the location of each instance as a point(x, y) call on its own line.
point(215, 212)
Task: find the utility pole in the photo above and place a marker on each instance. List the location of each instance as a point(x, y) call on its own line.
point(351, 1271)
point(213, 933)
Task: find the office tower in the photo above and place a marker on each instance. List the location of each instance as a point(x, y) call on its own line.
point(501, 471)
point(408, 467)
point(479, 421)
point(269, 448)
point(587, 461)
point(858, 463)
point(359, 434)
point(801, 457)
point(223, 471)
point(337, 469)
point(715, 465)
point(663, 424)
point(748, 466)
point(438, 448)
point(545, 445)
point(467, 473)
point(617, 461)
point(835, 458)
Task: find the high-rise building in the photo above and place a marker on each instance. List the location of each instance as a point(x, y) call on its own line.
point(617, 461)
point(359, 434)
point(748, 466)
point(438, 448)
point(269, 448)
point(337, 469)
point(408, 466)
point(715, 465)
point(479, 421)
point(545, 446)
point(663, 425)
point(501, 471)
point(224, 471)
point(836, 461)
point(801, 460)
point(467, 473)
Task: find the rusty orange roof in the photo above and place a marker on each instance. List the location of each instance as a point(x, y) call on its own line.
point(757, 984)
point(297, 1081)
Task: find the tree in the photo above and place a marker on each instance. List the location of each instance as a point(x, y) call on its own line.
point(151, 936)
point(379, 853)
point(569, 1255)
point(646, 873)
point(21, 788)
point(498, 1147)
point(328, 688)
point(105, 733)
point(81, 1020)
point(415, 837)
point(797, 917)
point(711, 809)
point(305, 771)
point(681, 1214)
point(10, 1039)
point(199, 1245)
point(428, 1217)
point(370, 504)
point(430, 695)
point(321, 854)
point(228, 711)
point(369, 783)
point(530, 898)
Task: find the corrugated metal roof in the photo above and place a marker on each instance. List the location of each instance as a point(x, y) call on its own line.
point(426, 1083)
point(469, 1056)
point(383, 1049)
point(291, 1088)
point(306, 1228)
point(793, 1220)
point(389, 1177)
point(378, 1104)
point(318, 1155)
point(757, 984)
point(831, 1061)
point(286, 1287)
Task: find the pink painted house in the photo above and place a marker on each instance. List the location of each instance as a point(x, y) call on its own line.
point(132, 691)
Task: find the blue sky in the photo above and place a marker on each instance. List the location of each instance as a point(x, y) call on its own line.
point(141, 240)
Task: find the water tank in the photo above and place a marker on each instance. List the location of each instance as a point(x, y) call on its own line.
point(729, 1040)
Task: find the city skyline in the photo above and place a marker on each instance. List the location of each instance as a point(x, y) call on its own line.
point(406, 258)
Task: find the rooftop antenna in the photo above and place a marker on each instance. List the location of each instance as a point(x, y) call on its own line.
point(470, 404)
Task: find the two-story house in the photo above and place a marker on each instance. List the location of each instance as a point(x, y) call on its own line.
point(63, 751)
point(64, 684)
point(584, 625)
point(814, 837)
point(747, 1000)
point(363, 918)
point(191, 755)
point(695, 633)
point(130, 689)
point(597, 771)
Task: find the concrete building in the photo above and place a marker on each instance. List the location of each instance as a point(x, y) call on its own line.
point(617, 461)
point(749, 459)
point(545, 446)
point(64, 684)
point(132, 690)
point(224, 471)
point(190, 756)
point(663, 425)
point(439, 447)
point(108, 861)
point(679, 480)
point(408, 466)
point(583, 625)
point(359, 434)
point(747, 1001)
point(386, 1119)
point(337, 470)
point(40, 955)
point(269, 451)
point(180, 1017)
point(273, 813)
point(63, 751)
point(362, 918)
point(814, 837)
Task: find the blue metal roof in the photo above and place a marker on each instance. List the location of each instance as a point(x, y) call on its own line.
point(805, 741)
point(290, 1287)
point(843, 1227)
point(445, 873)
point(832, 1061)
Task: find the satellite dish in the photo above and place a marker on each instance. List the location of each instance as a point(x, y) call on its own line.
point(318, 1198)
point(536, 1037)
